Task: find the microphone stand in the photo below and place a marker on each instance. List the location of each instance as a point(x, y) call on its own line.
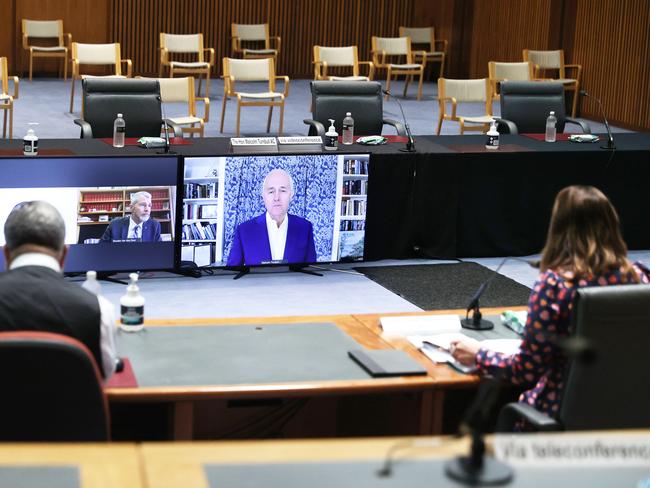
point(610, 138)
point(477, 322)
point(410, 143)
point(167, 149)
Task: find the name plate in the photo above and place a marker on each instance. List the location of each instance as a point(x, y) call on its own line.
point(301, 140)
point(253, 141)
point(558, 450)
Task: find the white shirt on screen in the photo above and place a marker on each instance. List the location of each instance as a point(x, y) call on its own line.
point(132, 232)
point(277, 236)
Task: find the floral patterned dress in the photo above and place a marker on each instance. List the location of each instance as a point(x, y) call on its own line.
point(540, 365)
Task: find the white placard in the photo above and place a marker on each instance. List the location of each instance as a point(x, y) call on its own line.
point(301, 140)
point(574, 450)
point(253, 141)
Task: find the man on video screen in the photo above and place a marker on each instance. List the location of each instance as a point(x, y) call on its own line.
point(138, 227)
point(275, 235)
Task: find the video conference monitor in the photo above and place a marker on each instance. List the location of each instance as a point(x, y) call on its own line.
point(246, 211)
point(94, 197)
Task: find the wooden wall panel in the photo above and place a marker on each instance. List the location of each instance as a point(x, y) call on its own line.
point(6, 34)
point(612, 42)
point(300, 24)
point(500, 31)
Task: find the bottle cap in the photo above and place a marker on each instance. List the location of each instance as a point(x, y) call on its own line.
point(552, 112)
point(91, 275)
point(119, 115)
point(348, 114)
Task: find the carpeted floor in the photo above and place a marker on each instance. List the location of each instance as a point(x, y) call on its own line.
point(448, 286)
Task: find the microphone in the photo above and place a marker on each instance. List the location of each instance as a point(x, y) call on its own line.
point(610, 138)
point(410, 144)
point(477, 322)
point(166, 131)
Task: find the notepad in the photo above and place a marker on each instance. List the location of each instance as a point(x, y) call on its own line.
point(420, 324)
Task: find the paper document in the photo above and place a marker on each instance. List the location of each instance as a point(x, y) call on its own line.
point(420, 324)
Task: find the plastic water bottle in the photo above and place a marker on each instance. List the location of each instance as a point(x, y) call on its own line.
point(91, 284)
point(30, 141)
point(551, 129)
point(132, 307)
point(119, 131)
point(331, 139)
point(348, 129)
point(492, 141)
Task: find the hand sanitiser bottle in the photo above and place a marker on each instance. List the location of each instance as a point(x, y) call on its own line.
point(119, 131)
point(331, 139)
point(30, 141)
point(132, 307)
point(492, 141)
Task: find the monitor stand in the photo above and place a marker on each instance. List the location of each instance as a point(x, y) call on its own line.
point(109, 277)
point(241, 271)
point(302, 268)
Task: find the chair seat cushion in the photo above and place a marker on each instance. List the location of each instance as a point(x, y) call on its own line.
point(259, 95)
point(48, 49)
point(405, 66)
point(260, 51)
point(185, 120)
point(481, 119)
point(195, 64)
point(432, 53)
point(348, 78)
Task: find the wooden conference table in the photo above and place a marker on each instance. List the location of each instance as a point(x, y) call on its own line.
point(401, 405)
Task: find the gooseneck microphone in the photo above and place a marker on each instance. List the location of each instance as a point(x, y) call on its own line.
point(610, 138)
point(477, 322)
point(410, 144)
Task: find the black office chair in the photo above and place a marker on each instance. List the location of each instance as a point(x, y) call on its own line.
point(51, 390)
point(608, 381)
point(525, 105)
point(363, 99)
point(137, 100)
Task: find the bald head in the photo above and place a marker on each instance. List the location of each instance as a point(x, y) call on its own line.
point(34, 226)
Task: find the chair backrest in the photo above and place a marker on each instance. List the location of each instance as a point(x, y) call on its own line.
point(522, 71)
point(419, 35)
point(528, 103)
point(177, 89)
point(52, 390)
point(612, 391)
point(363, 99)
point(43, 29)
point(4, 76)
point(250, 70)
point(137, 99)
point(251, 32)
point(476, 90)
point(98, 54)
point(545, 59)
point(337, 56)
point(392, 46)
point(183, 43)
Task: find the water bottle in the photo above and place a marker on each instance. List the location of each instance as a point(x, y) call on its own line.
point(551, 129)
point(30, 141)
point(348, 129)
point(119, 130)
point(132, 307)
point(91, 284)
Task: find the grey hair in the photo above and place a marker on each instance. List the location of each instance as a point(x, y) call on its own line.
point(285, 172)
point(35, 222)
point(135, 196)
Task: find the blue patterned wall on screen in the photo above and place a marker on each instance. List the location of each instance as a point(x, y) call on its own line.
point(314, 178)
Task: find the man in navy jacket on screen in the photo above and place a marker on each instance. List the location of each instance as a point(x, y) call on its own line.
point(276, 235)
point(138, 227)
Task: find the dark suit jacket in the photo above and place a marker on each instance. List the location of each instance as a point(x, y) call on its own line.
point(251, 246)
point(118, 230)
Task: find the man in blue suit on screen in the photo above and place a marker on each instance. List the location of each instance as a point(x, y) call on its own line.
point(138, 227)
point(276, 235)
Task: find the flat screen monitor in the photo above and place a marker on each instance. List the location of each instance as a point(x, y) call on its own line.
point(94, 198)
point(245, 211)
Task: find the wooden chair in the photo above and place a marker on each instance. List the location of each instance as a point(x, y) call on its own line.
point(7, 100)
point(192, 44)
point(498, 72)
point(246, 70)
point(385, 49)
point(436, 49)
point(544, 61)
point(340, 57)
point(59, 42)
point(97, 54)
point(461, 91)
point(252, 41)
point(181, 90)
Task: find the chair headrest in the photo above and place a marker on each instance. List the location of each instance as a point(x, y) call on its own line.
point(345, 87)
point(120, 85)
point(532, 87)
